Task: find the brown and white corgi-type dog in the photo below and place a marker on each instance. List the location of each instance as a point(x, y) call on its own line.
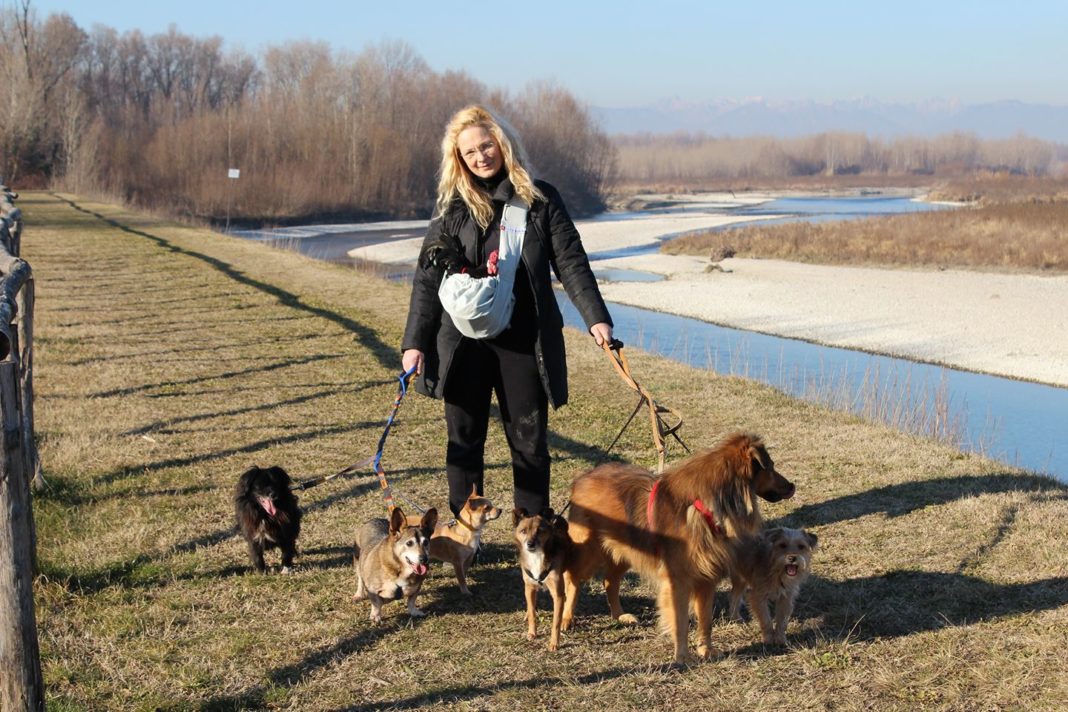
point(391, 560)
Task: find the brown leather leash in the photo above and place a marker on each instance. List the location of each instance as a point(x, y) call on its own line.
point(662, 430)
point(660, 426)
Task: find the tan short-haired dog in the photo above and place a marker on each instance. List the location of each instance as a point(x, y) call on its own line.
point(456, 542)
point(772, 565)
point(543, 548)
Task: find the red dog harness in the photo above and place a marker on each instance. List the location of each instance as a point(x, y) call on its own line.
point(710, 520)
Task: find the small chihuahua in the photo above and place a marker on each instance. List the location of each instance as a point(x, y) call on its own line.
point(456, 543)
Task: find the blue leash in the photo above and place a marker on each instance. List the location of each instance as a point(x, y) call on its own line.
point(376, 459)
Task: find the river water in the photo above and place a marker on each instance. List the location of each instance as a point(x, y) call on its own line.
point(1017, 422)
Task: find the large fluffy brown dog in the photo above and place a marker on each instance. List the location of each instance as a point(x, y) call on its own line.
point(675, 530)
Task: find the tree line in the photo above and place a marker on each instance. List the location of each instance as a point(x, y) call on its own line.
point(694, 157)
point(159, 120)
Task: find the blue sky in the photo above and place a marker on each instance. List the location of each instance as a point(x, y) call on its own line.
point(625, 53)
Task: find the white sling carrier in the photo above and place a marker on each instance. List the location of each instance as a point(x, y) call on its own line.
point(481, 307)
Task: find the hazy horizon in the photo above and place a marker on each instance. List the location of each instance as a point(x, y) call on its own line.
point(627, 54)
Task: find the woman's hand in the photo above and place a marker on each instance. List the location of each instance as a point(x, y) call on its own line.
point(602, 333)
point(413, 358)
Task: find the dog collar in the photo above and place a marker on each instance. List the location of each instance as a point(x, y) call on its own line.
point(710, 520)
point(467, 526)
point(649, 507)
point(540, 580)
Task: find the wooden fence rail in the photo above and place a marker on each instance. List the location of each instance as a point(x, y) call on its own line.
point(21, 685)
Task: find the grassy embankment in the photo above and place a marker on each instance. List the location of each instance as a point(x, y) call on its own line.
point(1013, 225)
point(169, 359)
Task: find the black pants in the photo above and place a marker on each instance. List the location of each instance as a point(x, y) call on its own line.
point(508, 367)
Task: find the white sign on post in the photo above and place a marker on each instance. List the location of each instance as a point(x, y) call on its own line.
point(234, 173)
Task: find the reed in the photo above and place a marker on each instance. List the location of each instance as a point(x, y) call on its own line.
point(1024, 236)
point(887, 396)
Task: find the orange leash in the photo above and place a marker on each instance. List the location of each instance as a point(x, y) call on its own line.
point(660, 427)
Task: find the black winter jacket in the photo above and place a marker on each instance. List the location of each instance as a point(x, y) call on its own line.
point(551, 240)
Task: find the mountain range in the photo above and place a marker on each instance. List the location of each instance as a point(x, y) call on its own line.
point(757, 116)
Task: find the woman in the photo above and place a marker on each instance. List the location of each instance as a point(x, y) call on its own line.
point(483, 168)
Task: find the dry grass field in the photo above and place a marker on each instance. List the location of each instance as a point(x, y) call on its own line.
point(169, 359)
point(1013, 224)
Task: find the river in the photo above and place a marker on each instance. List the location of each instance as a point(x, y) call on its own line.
point(1020, 423)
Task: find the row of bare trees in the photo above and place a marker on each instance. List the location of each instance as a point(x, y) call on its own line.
point(647, 158)
point(158, 120)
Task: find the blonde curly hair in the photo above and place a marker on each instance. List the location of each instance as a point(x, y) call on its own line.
point(456, 180)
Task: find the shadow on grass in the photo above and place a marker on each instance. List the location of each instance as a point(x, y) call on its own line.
point(291, 675)
point(324, 558)
point(130, 390)
point(901, 499)
point(190, 349)
point(451, 695)
point(136, 470)
point(903, 602)
point(269, 407)
point(385, 354)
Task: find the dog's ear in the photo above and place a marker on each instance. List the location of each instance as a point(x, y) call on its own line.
point(758, 457)
point(428, 522)
point(773, 535)
point(397, 521)
point(518, 515)
point(474, 491)
point(560, 524)
point(244, 482)
point(279, 476)
point(812, 540)
point(547, 514)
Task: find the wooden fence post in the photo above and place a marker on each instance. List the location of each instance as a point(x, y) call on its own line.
point(21, 685)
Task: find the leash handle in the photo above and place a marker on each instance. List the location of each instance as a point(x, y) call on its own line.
point(659, 426)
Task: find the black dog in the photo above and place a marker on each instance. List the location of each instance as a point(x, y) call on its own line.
point(446, 255)
point(267, 514)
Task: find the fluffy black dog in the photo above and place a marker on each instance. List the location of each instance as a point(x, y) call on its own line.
point(446, 256)
point(267, 514)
